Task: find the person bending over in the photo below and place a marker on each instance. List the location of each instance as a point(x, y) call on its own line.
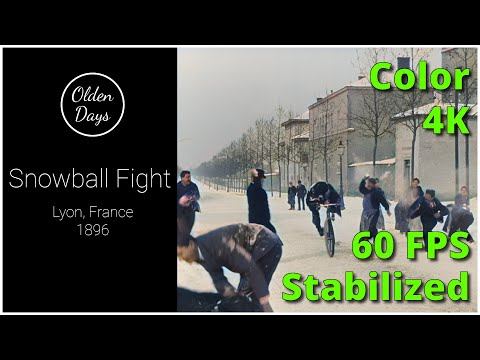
point(322, 193)
point(251, 250)
point(461, 217)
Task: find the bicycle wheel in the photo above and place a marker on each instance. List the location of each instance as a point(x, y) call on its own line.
point(329, 237)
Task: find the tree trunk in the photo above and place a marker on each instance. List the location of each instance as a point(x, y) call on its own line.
point(412, 160)
point(375, 143)
point(467, 159)
point(279, 180)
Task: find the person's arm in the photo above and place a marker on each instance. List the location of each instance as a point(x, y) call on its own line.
point(420, 192)
point(243, 263)
point(442, 208)
point(221, 283)
point(382, 200)
point(264, 200)
point(362, 187)
point(196, 192)
point(415, 210)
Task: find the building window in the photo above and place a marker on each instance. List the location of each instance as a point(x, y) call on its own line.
point(406, 170)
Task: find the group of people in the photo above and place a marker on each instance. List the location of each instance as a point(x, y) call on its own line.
point(299, 191)
point(422, 211)
point(254, 249)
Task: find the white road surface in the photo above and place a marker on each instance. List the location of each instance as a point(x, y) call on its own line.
point(304, 252)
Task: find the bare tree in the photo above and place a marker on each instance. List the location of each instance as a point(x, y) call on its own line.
point(372, 117)
point(323, 140)
point(408, 102)
point(280, 115)
point(463, 58)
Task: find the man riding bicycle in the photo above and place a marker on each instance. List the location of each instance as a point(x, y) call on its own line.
point(319, 194)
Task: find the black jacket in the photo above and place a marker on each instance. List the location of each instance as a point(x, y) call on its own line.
point(292, 190)
point(301, 191)
point(320, 193)
point(422, 208)
point(258, 210)
point(237, 247)
point(377, 197)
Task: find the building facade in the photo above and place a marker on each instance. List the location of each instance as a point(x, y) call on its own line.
point(335, 117)
point(434, 156)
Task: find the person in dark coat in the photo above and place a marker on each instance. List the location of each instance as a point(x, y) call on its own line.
point(292, 191)
point(301, 193)
point(462, 198)
point(381, 219)
point(258, 210)
point(187, 200)
point(251, 250)
point(372, 199)
point(430, 210)
point(461, 217)
point(322, 193)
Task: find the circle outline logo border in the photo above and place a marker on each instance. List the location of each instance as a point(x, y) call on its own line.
point(78, 77)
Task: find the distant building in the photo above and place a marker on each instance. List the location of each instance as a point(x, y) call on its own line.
point(434, 155)
point(333, 117)
point(296, 132)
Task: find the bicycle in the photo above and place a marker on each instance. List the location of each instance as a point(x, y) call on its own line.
point(328, 228)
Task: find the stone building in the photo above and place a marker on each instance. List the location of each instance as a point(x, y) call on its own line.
point(434, 155)
point(296, 133)
point(333, 119)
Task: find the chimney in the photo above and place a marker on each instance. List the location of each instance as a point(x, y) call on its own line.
point(360, 77)
point(331, 91)
point(319, 99)
point(403, 63)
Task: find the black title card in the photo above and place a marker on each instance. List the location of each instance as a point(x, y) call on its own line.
point(89, 144)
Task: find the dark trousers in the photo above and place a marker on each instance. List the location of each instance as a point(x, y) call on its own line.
point(185, 221)
point(462, 225)
point(373, 225)
point(267, 265)
point(302, 199)
point(316, 218)
point(427, 227)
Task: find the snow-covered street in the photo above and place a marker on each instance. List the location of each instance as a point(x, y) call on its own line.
point(304, 252)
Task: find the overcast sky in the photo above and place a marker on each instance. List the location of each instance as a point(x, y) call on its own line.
point(221, 92)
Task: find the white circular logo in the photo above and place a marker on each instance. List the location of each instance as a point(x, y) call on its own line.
point(92, 104)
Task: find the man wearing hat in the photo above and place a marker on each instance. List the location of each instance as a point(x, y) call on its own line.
point(258, 210)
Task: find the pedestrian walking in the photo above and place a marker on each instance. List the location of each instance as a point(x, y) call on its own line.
point(251, 250)
point(430, 210)
point(372, 199)
point(258, 210)
point(301, 193)
point(292, 191)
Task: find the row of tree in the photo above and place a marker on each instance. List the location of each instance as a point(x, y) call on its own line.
point(268, 145)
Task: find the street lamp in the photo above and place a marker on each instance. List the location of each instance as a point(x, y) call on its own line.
point(340, 151)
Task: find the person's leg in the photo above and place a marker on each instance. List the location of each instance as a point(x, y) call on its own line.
point(269, 226)
point(427, 227)
point(373, 225)
point(316, 220)
point(465, 224)
point(303, 203)
point(298, 201)
point(268, 263)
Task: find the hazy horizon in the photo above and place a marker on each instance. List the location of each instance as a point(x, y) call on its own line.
point(222, 91)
